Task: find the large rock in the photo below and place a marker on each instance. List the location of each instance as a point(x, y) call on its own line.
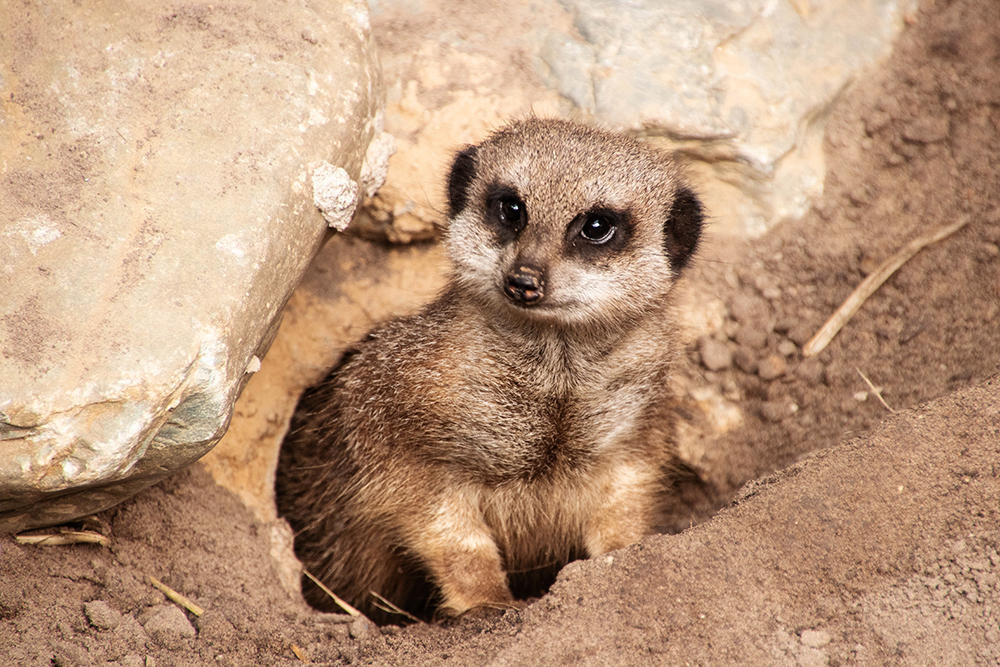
point(156, 177)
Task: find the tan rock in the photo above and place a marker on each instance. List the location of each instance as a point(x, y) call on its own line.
point(155, 177)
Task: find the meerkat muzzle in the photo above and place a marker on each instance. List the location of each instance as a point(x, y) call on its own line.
point(525, 285)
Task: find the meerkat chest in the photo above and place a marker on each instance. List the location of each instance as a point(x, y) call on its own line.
point(513, 419)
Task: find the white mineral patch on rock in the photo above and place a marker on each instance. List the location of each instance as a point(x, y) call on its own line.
point(376, 164)
point(335, 194)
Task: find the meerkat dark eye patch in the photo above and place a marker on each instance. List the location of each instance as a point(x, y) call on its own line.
point(682, 230)
point(506, 211)
point(463, 172)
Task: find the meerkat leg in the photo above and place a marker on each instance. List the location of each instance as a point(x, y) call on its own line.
point(459, 551)
point(625, 512)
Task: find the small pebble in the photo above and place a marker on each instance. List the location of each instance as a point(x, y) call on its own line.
point(751, 337)
point(800, 334)
point(746, 309)
point(772, 367)
point(167, 624)
point(868, 264)
point(774, 411)
point(66, 654)
point(787, 348)
point(362, 628)
point(214, 626)
point(783, 324)
point(876, 120)
point(715, 355)
point(927, 130)
point(745, 360)
point(810, 370)
point(730, 390)
point(101, 615)
point(815, 638)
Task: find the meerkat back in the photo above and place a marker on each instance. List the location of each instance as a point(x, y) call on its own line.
point(521, 419)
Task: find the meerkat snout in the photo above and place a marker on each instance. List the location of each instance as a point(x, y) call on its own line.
point(525, 285)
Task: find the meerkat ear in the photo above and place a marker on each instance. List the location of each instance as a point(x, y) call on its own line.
point(682, 231)
point(463, 171)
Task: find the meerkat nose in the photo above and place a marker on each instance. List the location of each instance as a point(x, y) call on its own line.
point(525, 285)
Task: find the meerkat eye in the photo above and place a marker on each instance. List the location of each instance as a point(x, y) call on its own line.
point(511, 211)
point(598, 229)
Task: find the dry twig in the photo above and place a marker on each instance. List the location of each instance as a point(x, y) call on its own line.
point(875, 390)
point(340, 603)
point(174, 596)
point(299, 654)
point(868, 286)
point(390, 608)
point(64, 538)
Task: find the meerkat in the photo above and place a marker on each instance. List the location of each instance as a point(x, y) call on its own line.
point(523, 418)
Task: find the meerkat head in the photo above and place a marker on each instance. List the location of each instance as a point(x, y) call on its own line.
point(569, 224)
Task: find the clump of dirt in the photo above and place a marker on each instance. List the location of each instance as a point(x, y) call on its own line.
point(882, 550)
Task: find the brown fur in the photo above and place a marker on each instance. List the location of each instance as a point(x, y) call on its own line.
point(523, 418)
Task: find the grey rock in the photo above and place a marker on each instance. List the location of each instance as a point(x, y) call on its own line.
point(101, 615)
point(742, 86)
point(362, 628)
point(213, 626)
point(815, 638)
point(157, 215)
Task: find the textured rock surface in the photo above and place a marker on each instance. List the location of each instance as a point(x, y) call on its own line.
point(155, 182)
point(742, 88)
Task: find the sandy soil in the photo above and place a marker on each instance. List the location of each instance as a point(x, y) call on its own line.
point(878, 546)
